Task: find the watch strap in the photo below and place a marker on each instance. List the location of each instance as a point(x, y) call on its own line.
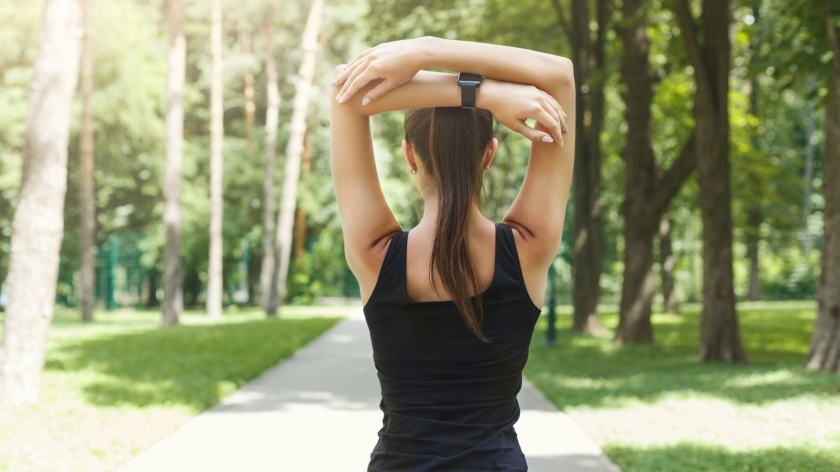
point(468, 96)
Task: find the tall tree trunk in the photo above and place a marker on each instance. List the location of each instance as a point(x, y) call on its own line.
point(300, 220)
point(88, 223)
point(151, 299)
point(667, 261)
point(271, 120)
point(250, 107)
point(38, 222)
point(173, 295)
point(720, 338)
point(646, 194)
point(824, 353)
point(214, 276)
point(294, 149)
point(810, 128)
point(589, 55)
point(753, 238)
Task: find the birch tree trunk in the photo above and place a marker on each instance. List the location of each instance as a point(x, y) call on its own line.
point(88, 223)
point(250, 107)
point(824, 353)
point(38, 223)
point(173, 295)
point(294, 149)
point(272, 113)
point(214, 276)
point(720, 338)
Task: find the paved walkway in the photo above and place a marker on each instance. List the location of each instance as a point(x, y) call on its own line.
point(319, 412)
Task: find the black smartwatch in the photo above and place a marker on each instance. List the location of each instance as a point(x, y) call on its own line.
point(468, 83)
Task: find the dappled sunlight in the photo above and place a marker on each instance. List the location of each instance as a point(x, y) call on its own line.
point(194, 366)
point(711, 458)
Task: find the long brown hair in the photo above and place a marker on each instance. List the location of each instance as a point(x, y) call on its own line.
point(451, 144)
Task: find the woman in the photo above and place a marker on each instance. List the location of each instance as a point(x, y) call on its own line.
point(451, 305)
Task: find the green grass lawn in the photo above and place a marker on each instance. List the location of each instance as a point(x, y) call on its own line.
point(655, 408)
point(114, 387)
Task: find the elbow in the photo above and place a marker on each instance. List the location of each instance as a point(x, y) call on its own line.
point(563, 72)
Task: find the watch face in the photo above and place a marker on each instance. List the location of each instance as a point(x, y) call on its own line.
point(469, 79)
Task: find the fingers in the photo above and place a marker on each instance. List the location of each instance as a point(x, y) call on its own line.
point(350, 72)
point(544, 118)
point(339, 81)
point(379, 91)
point(561, 115)
point(353, 83)
point(530, 133)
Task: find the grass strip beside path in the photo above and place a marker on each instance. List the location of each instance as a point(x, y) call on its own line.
point(113, 388)
point(655, 408)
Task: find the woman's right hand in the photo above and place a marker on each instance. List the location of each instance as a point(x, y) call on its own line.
point(513, 103)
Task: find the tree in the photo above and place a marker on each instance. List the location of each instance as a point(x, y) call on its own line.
point(272, 115)
point(646, 192)
point(589, 57)
point(38, 221)
point(720, 339)
point(250, 107)
point(88, 216)
point(824, 353)
point(667, 261)
point(294, 149)
point(214, 276)
point(173, 301)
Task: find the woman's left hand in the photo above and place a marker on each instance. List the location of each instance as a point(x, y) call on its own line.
point(395, 62)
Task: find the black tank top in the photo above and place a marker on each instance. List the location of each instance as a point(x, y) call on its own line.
point(449, 399)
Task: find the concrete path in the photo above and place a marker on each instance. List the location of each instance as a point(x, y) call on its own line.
point(319, 412)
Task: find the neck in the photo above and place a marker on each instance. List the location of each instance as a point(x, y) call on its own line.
point(430, 214)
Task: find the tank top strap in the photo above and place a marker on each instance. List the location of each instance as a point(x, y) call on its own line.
point(508, 268)
point(390, 284)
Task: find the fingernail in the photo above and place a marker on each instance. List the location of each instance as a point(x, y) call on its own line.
point(565, 129)
point(366, 101)
point(332, 84)
point(338, 98)
point(547, 139)
point(563, 112)
point(561, 143)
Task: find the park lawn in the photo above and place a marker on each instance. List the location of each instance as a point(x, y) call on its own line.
point(655, 408)
point(112, 388)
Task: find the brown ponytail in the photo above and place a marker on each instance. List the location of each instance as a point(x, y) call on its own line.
point(451, 142)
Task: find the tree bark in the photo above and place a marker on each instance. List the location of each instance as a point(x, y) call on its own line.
point(720, 337)
point(271, 120)
point(294, 149)
point(88, 213)
point(646, 194)
point(300, 220)
point(589, 56)
point(753, 238)
point(173, 295)
point(810, 128)
point(38, 222)
point(250, 107)
point(667, 261)
point(824, 353)
point(214, 276)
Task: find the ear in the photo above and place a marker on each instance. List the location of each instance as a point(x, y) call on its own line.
point(490, 153)
point(408, 150)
